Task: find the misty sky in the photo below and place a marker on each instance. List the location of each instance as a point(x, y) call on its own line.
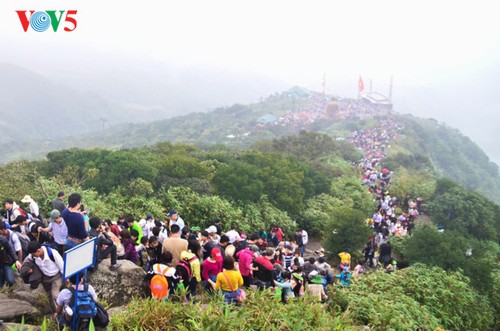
point(422, 44)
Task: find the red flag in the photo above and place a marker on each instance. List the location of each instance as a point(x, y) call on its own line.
point(361, 85)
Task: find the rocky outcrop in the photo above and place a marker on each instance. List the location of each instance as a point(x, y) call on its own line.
point(12, 309)
point(116, 288)
point(119, 286)
point(18, 327)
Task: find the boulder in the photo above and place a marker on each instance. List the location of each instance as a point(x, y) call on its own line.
point(13, 309)
point(118, 287)
point(19, 327)
point(37, 298)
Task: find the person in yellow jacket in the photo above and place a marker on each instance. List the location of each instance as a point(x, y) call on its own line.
point(345, 258)
point(190, 270)
point(229, 280)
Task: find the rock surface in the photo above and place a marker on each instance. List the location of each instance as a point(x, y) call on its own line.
point(18, 327)
point(118, 287)
point(13, 309)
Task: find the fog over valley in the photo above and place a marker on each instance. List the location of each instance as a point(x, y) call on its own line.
point(182, 58)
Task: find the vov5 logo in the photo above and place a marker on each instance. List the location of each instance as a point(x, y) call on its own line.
point(40, 21)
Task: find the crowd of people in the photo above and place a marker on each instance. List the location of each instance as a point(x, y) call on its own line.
point(385, 221)
point(307, 114)
point(211, 259)
point(356, 108)
point(218, 260)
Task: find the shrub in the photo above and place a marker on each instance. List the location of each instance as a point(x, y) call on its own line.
point(260, 312)
point(418, 297)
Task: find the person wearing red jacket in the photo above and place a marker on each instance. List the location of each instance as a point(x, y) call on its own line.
point(264, 270)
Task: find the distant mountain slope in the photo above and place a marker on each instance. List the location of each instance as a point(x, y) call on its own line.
point(34, 107)
point(41, 106)
point(452, 155)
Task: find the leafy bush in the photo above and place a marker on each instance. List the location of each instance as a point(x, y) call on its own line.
point(260, 312)
point(413, 183)
point(418, 297)
point(200, 210)
point(467, 212)
point(346, 228)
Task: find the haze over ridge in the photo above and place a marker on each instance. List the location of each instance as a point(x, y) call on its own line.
point(443, 56)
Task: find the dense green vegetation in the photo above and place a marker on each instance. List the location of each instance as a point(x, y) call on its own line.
point(429, 145)
point(415, 298)
point(260, 312)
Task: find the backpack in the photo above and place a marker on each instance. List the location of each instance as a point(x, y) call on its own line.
point(22, 212)
point(24, 240)
point(85, 308)
point(159, 284)
point(186, 264)
point(49, 252)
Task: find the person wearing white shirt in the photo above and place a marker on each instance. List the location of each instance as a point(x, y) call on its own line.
point(305, 240)
point(51, 265)
point(34, 210)
point(150, 224)
point(175, 219)
point(233, 235)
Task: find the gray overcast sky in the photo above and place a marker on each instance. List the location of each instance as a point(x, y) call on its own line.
point(295, 40)
point(421, 43)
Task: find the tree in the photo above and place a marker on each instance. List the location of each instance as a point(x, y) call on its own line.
point(350, 191)
point(452, 250)
point(413, 183)
point(284, 180)
point(415, 298)
point(319, 212)
point(346, 228)
point(467, 212)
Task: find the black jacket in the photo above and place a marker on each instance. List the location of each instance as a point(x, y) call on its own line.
point(7, 254)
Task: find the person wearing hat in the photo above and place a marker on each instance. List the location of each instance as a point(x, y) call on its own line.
point(212, 232)
point(34, 210)
point(175, 219)
point(195, 233)
point(315, 287)
point(210, 269)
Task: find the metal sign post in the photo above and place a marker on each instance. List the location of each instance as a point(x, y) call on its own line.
point(76, 261)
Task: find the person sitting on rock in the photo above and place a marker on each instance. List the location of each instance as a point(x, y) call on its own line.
point(129, 247)
point(105, 246)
